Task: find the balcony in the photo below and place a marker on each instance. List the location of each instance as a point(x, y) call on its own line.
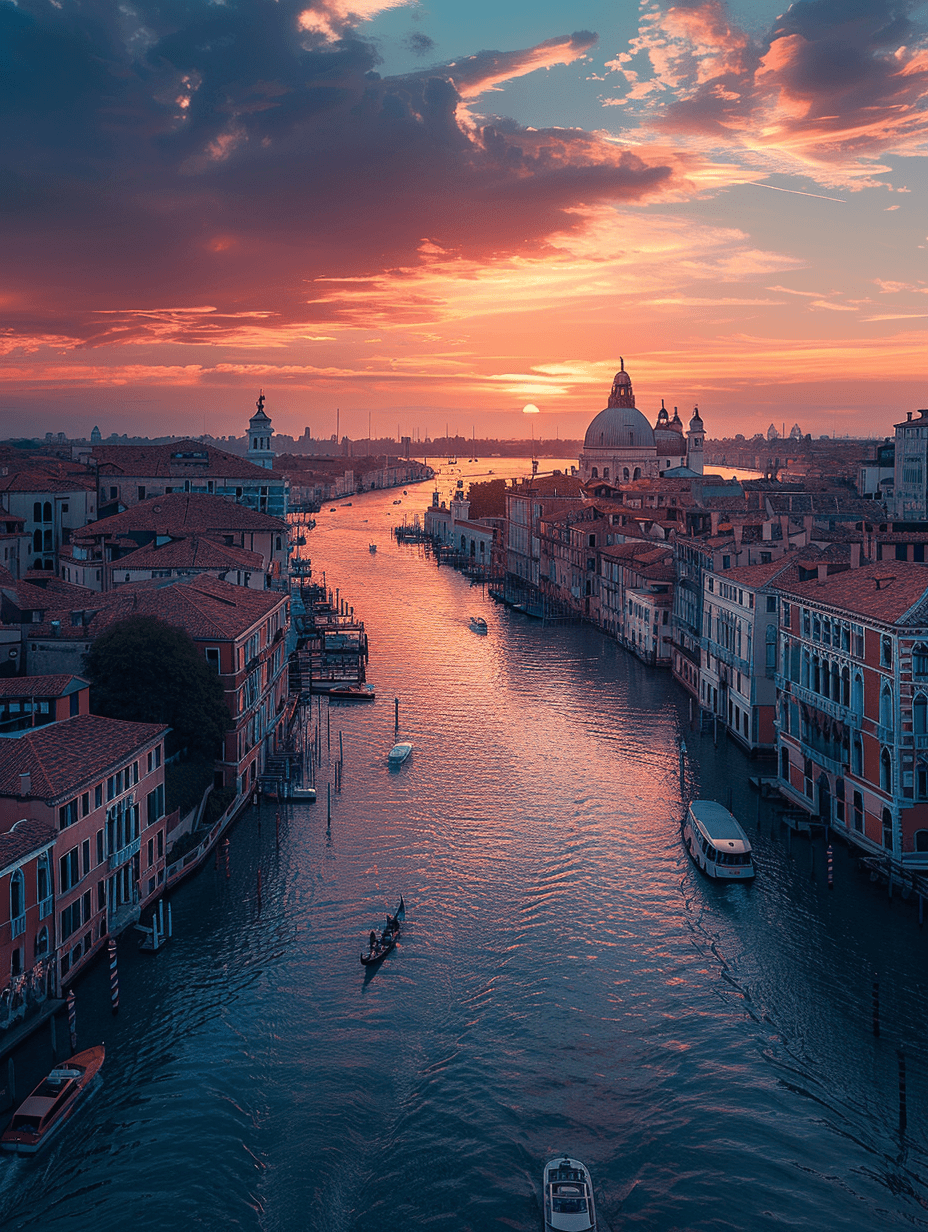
point(124, 853)
point(18, 925)
point(45, 907)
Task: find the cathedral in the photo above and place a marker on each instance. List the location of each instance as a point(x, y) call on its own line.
point(620, 445)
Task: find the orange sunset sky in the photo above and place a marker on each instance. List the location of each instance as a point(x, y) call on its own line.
point(434, 214)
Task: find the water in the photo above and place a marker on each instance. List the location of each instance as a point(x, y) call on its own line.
point(566, 980)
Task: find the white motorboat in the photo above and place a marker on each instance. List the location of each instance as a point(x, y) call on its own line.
point(478, 624)
point(716, 841)
point(399, 753)
point(372, 547)
point(568, 1191)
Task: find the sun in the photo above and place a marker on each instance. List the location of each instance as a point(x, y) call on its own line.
point(530, 409)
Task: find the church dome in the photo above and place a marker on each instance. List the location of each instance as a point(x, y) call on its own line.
point(696, 424)
point(669, 440)
point(619, 427)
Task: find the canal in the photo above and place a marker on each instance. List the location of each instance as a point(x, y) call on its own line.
point(566, 980)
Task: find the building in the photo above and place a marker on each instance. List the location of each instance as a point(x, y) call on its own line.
point(50, 504)
point(33, 701)
point(621, 446)
point(853, 707)
point(130, 474)
point(527, 504)
point(180, 535)
point(98, 785)
point(260, 431)
point(910, 468)
point(28, 973)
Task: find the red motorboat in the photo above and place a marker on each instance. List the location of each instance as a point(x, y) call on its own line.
point(52, 1102)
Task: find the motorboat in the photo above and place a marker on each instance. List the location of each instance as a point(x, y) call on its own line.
point(372, 547)
point(568, 1192)
point(399, 753)
point(354, 692)
point(52, 1102)
point(299, 792)
point(478, 624)
point(397, 502)
point(716, 842)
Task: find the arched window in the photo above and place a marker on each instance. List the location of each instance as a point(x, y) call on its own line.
point(857, 694)
point(37, 511)
point(278, 543)
point(37, 541)
point(784, 764)
point(816, 685)
point(17, 895)
point(47, 542)
point(846, 687)
point(920, 660)
point(858, 812)
point(857, 759)
point(43, 879)
point(886, 770)
point(637, 472)
point(41, 942)
point(605, 472)
point(47, 511)
point(921, 840)
point(920, 714)
point(886, 706)
point(887, 829)
point(594, 473)
point(835, 682)
point(886, 651)
point(804, 679)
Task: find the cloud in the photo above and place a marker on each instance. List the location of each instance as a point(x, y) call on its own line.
point(235, 155)
point(834, 86)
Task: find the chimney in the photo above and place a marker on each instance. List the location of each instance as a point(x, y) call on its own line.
point(714, 522)
point(25, 782)
point(767, 531)
point(822, 570)
point(737, 531)
point(908, 416)
point(855, 555)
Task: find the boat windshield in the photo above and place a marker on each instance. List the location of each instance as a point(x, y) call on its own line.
point(28, 1123)
point(733, 857)
point(561, 1204)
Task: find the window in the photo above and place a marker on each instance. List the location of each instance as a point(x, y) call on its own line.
point(68, 871)
point(886, 651)
point(98, 795)
point(155, 804)
point(921, 840)
point(857, 694)
point(85, 799)
point(784, 765)
point(857, 756)
point(886, 770)
point(886, 706)
point(17, 897)
point(858, 812)
point(67, 814)
point(212, 657)
point(887, 829)
point(920, 714)
point(920, 660)
point(771, 603)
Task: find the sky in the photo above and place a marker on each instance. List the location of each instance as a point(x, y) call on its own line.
point(400, 217)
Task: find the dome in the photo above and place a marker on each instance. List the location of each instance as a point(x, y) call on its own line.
point(619, 427)
point(672, 438)
point(696, 424)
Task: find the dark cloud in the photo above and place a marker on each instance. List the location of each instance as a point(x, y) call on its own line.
point(185, 154)
point(419, 44)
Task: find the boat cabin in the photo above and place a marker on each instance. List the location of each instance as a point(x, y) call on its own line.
point(568, 1196)
point(716, 841)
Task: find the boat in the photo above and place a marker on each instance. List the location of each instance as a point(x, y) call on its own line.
point(52, 1102)
point(716, 842)
point(397, 502)
point(388, 937)
point(568, 1196)
point(399, 753)
point(347, 505)
point(372, 547)
point(332, 510)
point(299, 792)
point(478, 624)
point(354, 692)
point(568, 1191)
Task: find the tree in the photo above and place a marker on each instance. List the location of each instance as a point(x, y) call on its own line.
point(147, 671)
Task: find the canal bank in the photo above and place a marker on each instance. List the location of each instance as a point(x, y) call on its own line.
point(565, 978)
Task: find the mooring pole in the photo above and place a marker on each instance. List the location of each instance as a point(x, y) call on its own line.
point(328, 794)
point(876, 1005)
point(72, 1019)
point(831, 867)
point(114, 976)
point(902, 1108)
point(396, 714)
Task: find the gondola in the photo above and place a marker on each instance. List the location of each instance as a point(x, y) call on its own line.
point(388, 937)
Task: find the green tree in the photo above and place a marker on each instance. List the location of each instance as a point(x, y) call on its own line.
point(148, 671)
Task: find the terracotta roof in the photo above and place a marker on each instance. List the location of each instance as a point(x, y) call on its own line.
point(887, 590)
point(207, 608)
point(758, 575)
point(164, 461)
point(61, 758)
point(40, 686)
point(26, 836)
point(186, 511)
point(564, 486)
point(42, 481)
point(191, 553)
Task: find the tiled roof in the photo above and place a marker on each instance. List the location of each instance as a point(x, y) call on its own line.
point(42, 481)
point(884, 591)
point(757, 575)
point(26, 836)
point(207, 608)
point(191, 553)
point(186, 511)
point(548, 485)
point(40, 686)
point(162, 461)
point(61, 758)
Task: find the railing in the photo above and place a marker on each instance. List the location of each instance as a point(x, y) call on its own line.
point(124, 853)
point(18, 925)
point(45, 906)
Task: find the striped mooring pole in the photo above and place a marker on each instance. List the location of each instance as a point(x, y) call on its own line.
point(72, 1018)
point(831, 867)
point(114, 976)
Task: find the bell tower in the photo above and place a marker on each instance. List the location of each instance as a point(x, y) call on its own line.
point(695, 440)
point(260, 432)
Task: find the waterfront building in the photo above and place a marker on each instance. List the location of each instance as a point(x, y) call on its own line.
point(98, 785)
point(636, 597)
point(621, 446)
point(452, 526)
point(180, 535)
point(27, 921)
point(527, 503)
point(130, 474)
point(910, 468)
point(241, 632)
point(876, 474)
point(853, 707)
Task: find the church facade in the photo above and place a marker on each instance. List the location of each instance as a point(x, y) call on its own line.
point(620, 445)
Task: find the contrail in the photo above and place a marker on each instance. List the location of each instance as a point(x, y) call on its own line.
point(796, 192)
